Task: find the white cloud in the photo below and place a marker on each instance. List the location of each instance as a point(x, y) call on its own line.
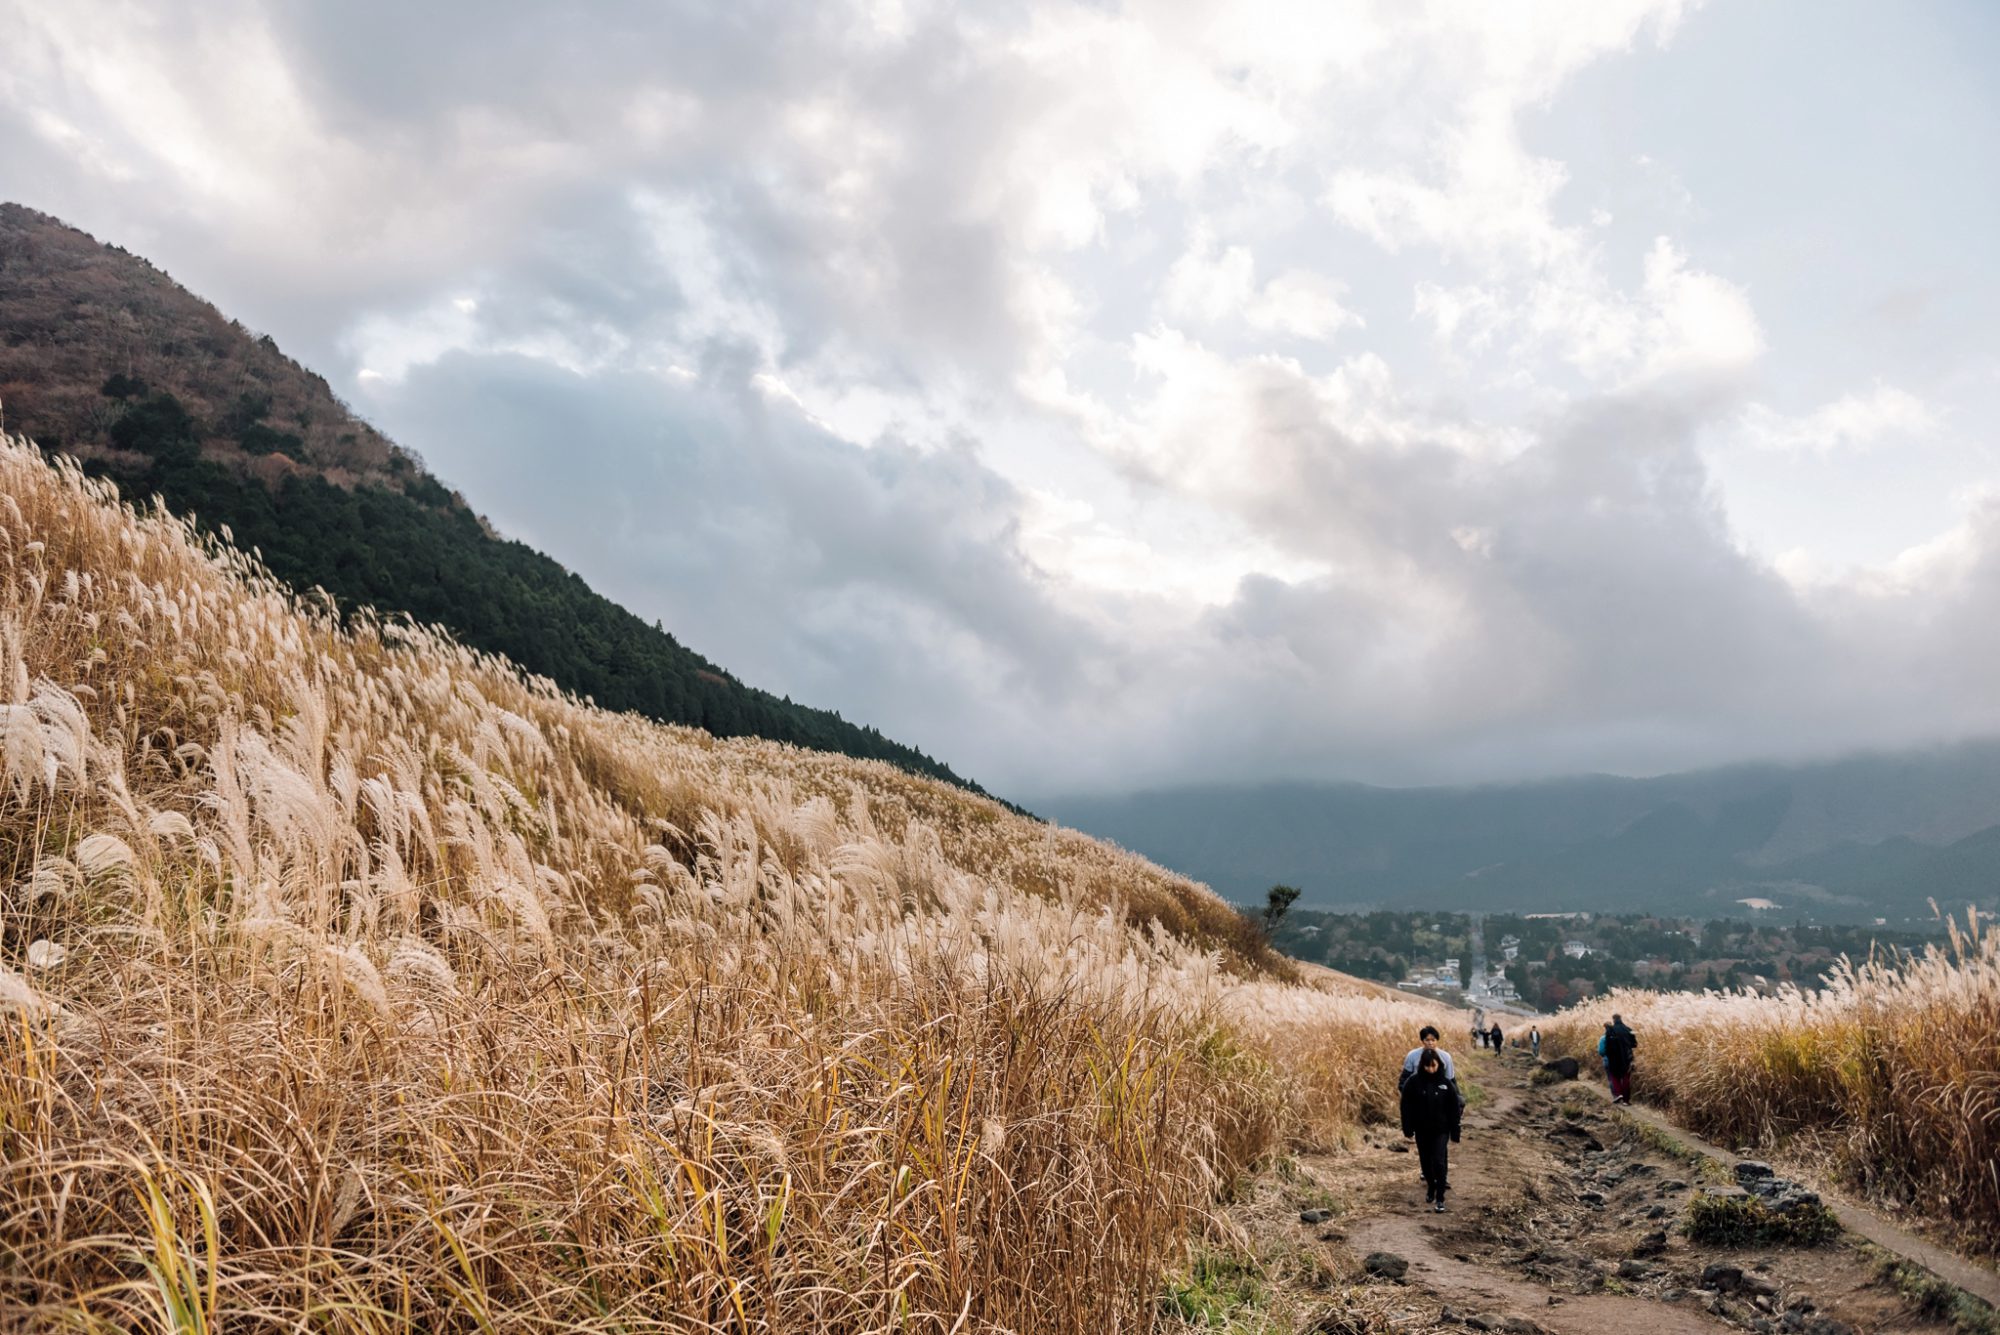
point(1883, 414)
point(1080, 392)
point(1217, 285)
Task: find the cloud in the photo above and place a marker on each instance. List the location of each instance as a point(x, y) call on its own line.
point(1090, 395)
point(1217, 286)
point(1862, 421)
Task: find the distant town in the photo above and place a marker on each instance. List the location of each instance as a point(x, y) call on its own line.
point(1544, 961)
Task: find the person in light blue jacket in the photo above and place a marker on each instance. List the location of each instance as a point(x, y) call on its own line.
point(1428, 1038)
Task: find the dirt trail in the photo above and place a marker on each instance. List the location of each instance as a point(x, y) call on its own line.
point(1562, 1217)
point(1975, 1279)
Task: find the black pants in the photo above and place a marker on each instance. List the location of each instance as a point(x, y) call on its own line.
point(1433, 1157)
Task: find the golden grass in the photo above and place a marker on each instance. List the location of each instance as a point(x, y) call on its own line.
point(1891, 1074)
point(350, 981)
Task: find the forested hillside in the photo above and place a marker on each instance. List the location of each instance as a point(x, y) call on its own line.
point(104, 357)
point(1849, 840)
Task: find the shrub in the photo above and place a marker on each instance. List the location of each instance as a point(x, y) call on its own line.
point(1743, 1221)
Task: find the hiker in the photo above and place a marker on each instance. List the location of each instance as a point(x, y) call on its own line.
point(1432, 1109)
point(1603, 1057)
point(1494, 1034)
point(1478, 1037)
point(1535, 1041)
point(1428, 1037)
point(1619, 1042)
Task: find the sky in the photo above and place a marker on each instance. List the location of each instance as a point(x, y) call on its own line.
point(1110, 396)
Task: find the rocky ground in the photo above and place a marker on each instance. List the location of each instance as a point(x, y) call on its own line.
point(1565, 1216)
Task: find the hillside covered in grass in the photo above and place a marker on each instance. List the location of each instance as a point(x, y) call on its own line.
point(105, 358)
point(351, 980)
point(1887, 1079)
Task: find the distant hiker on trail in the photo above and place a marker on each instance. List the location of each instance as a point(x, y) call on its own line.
point(1535, 1041)
point(1619, 1043)
point(1493, 1034)
point(1603, 1056)
point(1432, 1109)
point(1428, 1037)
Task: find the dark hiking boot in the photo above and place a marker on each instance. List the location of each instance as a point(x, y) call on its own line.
point(1439, 1207)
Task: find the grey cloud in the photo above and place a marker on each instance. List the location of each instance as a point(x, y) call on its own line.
point(882, 581)
point(1603, 619)
point(1580, 605)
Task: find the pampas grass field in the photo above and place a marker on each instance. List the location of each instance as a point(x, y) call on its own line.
point(1889, 1078)
point(350, 981)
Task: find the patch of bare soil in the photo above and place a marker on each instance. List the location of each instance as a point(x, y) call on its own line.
point(1564, 1216)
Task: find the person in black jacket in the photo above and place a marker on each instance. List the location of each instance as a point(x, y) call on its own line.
point(1619, 1043)
point(1432, 1108)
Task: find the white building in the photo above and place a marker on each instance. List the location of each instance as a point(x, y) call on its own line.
point(1576, 950)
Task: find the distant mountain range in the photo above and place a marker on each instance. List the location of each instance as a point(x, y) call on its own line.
point(1853, 839)
point(105, 358)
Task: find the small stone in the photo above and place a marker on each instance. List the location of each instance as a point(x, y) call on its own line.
point(1673, 1184)
point(1672, 1295)
point(1332, 1235)
point(1630, 1269)
point(1385, 1265)
point(1752, 1168)
point(1591, 1197)
point(1722, 1276)
point(1314, 1216)
point(1651, 1245)
point(1657, 1212)
point(1520, 1325)
point(1399, 1147)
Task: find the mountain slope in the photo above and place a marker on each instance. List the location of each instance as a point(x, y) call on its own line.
point(351, 982)
point(1866, 836)
point(102, 356)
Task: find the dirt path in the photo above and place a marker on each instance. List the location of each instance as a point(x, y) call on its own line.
point(1975, 1279)
point(1563, 1217)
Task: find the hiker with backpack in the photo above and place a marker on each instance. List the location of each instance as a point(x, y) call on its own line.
point(1619, 1044)
point(1433, 1110)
